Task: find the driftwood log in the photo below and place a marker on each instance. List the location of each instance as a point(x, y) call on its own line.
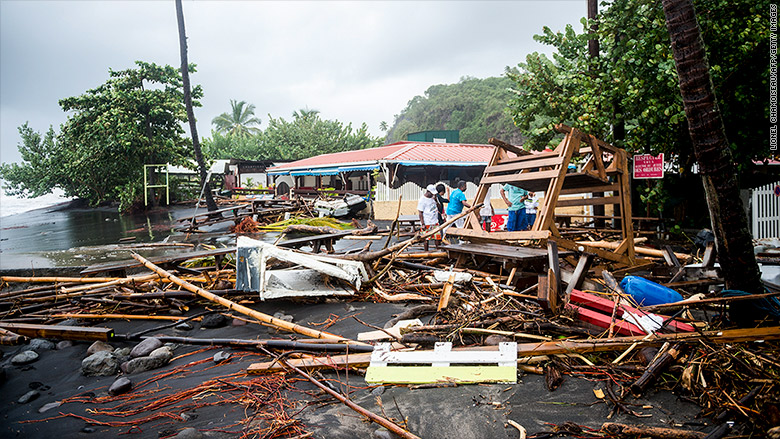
point(370, 229)
point(653, 432)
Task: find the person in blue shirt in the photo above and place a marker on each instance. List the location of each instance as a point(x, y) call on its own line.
point(515, 197)
point(455, 206)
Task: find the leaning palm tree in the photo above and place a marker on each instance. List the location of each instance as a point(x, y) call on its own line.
point(239, 121)
point(713, 153)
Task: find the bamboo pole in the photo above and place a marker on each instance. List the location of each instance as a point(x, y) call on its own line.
point(641, 250)
point(281, 324)
point(116, 316)
point(57, 279)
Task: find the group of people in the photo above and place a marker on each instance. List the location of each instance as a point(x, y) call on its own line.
point(430, 208)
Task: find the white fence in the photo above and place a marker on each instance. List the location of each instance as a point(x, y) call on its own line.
point(765, 207)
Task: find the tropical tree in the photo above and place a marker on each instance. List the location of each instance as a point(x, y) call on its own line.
point(633, 83)
point(112, 131)
point(239, 121)
point(307, 135)
point(211, 205)
point(708, 135)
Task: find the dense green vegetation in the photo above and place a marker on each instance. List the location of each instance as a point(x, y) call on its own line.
point(476, 107)
point(634, 83)
point(134, 118)
point(306, 135)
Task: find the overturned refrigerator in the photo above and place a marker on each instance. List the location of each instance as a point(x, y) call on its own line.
point(304, 275)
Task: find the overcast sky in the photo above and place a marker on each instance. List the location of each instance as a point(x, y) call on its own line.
point(356, 61)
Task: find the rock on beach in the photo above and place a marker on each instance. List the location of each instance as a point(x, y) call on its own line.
point(25, 357)
point(101, 363)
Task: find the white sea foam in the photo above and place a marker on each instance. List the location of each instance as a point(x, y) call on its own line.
point(12, 205)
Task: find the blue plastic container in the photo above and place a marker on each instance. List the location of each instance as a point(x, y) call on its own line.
point(647, 292)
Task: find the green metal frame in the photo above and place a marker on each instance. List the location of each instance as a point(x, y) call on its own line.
point(148, 186)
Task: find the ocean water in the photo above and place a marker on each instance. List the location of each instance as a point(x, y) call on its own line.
point(10, 205)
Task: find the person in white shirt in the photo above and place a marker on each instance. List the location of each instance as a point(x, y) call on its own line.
point(486, 213)
point(531, 205)
point(429, 214)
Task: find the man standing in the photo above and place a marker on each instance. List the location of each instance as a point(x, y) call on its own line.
point(455, 206)
point(429, 217)
point(515, 197)
point(531, 205)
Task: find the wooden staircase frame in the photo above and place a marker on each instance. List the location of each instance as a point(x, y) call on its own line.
point(548, 171)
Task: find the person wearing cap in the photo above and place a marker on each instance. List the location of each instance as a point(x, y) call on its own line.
point(429, 215)
point(455, 206)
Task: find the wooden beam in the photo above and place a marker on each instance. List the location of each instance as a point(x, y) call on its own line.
point(590, 189)
point(527, 164)
point(579, 273)
point(526, 235)
point(81, 333)
point(572, 245)
point(519, 178)
point(508, 146)
point(587, 201)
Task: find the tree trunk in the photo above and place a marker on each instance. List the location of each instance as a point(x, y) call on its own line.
point(593, 52)
point(716, 166)
point(185, 75)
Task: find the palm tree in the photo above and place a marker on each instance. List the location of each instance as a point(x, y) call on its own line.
point(713, 154)
point(239, 121)
point(185, 76)
point(305, 113)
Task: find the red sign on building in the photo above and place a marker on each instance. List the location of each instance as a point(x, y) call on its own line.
point(648, 166)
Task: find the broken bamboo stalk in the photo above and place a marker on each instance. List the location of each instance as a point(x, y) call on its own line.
point(8, 338)
point(702, 302)
point(278, 323)
point(116, 316)
point(653, 432)
point(640, 250)
point(56, 279)
point(656, 368)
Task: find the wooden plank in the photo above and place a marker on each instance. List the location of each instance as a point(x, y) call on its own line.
point(604, 305)
point(588, 201)
point(527, 235)
point(532, 156)
point(508, 146)
point(583, 264)
point(598, 157)
point(670, 258)
point(625, 205)
point(590, 189)
point(498, 251)
point(59, 332)
point(519, 178)
point(547, 210)
point(435, 374)
point(708, 260)
point(571, 245)
point(604, 321)
point(527, 164)
point(554, 264)
point(567, 129)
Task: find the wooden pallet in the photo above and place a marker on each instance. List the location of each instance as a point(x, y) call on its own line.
point(446, 365)
point(605, 170)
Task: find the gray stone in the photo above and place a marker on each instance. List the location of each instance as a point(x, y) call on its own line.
point(378, 391)
point(282, 316)
point(495, 339)
point(49, 406)
point(64, 344)
point(100, 364)
point(164, 352)
point(41, 344)
point(146, 347)
point(122, 353)
point(383, 433)
point(121, 385)
point(184, 326)
point(221, 356)
point(25, 357)
point(29, 396)
point(99, 346)
point(71, 322)
point(237, 322)
point(213, 321)
point(189, 433)
point(158, 358)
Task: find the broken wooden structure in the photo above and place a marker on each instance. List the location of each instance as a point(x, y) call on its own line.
point(605, 170)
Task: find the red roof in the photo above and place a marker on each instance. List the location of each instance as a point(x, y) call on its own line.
point(399, 152)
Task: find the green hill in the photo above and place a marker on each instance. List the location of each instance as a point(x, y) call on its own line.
point(476, 107)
